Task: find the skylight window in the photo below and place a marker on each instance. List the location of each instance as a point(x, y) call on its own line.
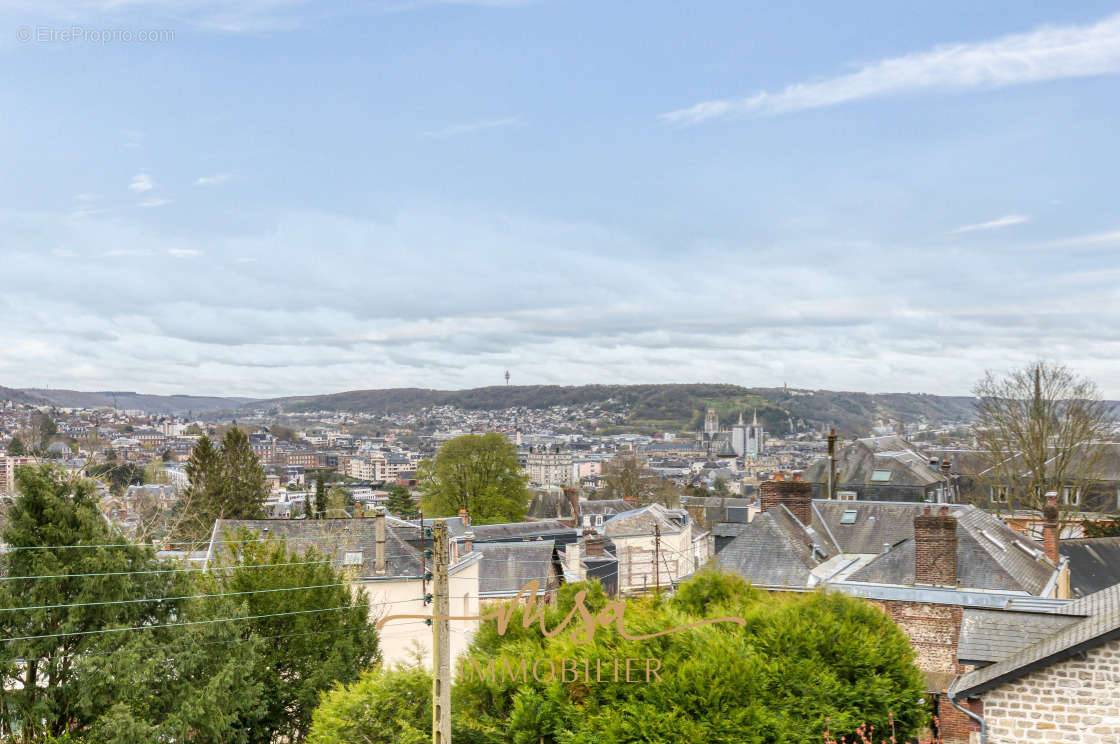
point(849, 517)
point(993, 539)
point(881, 476)
point(352, 559)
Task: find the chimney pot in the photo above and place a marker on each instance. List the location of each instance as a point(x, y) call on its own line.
point(464, 517)
point(468, 543)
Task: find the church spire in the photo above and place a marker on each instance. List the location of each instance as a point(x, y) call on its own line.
point(755, 421)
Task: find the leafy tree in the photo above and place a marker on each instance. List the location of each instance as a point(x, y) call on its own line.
point(193, 431)
point(799, 661)
point(476, 472)
point(400, 502)
point(283, 433)
point(382, 707)
point(47, 695)
point(16, 447)
point(1035, 424)
point(329, 641)
point(167, 456)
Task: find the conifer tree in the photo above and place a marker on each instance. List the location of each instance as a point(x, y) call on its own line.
point(44, 695)
point(320, 498)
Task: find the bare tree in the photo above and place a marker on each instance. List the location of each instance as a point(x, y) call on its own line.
point(627, 476)
point(1038, 427)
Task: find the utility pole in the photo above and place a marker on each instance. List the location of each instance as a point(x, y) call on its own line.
point(657, 558)
point(441, 638)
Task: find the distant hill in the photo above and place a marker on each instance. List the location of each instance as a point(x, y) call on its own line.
point(165, 404)
point(20, 396)
point(655, 408)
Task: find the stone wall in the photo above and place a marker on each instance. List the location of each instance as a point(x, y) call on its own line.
point(1076, 700)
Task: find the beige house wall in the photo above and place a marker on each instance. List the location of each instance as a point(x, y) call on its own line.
point(1076, 700)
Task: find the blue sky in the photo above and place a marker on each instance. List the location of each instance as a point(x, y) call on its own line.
point(292, 197)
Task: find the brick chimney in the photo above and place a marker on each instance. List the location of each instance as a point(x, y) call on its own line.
point(593, 544)
point(467, 543)
point(796, 494)
point(465, 517)
point(1051, 528)
point(935, 548)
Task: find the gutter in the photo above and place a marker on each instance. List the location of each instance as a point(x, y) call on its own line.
point(967, 712)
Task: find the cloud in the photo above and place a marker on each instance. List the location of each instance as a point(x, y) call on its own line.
point(156, 201)
point(588, 303)
point(1005, 221)
point(472, 127)
point(141, 183)
point(212, 180)
point(1047, 53)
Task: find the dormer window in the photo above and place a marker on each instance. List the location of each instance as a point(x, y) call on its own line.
point(880, 476)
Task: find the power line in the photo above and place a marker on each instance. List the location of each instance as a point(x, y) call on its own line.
point(176, 625)
point(165, 599)
point(159, 571)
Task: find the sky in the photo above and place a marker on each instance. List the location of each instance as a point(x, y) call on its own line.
point(278, 197)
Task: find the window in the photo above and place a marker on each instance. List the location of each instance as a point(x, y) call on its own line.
point(880, 476)
point(849, 517)
point(999, 494)
point(598, 519)
point(1071, 496)
point(586, 520)
point(352, 559)
point(846, 495)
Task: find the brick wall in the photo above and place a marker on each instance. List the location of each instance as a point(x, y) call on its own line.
point(934, 631)
point(1076, 700)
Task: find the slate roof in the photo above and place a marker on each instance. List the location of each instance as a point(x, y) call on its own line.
point(990, 555)
point(334, 538)
point(764, 553)
point(604, 506)
point(992, 635)
point(508, 566)
point(857, 462)
point(1101, 626)
point(1094, 563)
point(512, 531)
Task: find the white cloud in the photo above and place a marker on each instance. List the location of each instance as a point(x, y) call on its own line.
point(156, 201)
point(1047, 53)
point(141, 183)
point(472, 127)
point(1005, 221)
point(587, 304)
point(212, 180)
